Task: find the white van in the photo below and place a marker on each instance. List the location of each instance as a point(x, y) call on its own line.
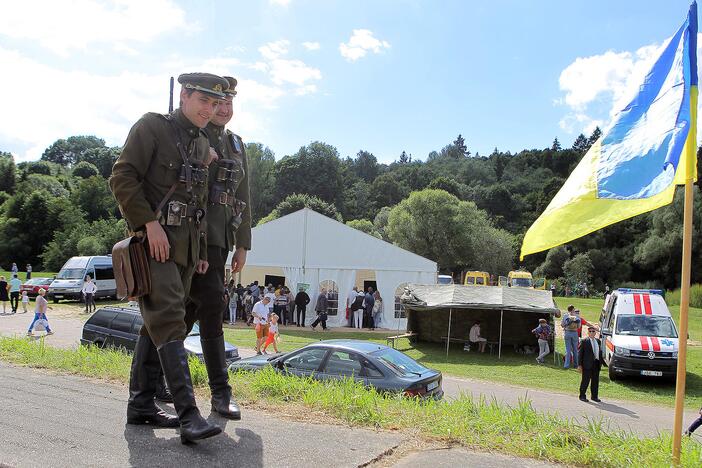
point(639, 336)
point(69, 281)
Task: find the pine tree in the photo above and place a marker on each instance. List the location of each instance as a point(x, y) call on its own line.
point(581, 144)
point(404, 159)
point(596, 134)
point(556, 146)
point(460, 144)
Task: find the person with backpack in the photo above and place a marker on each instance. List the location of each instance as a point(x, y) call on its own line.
point(543, 333)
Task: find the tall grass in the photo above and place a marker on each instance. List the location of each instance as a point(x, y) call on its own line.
point(480, 424)
point(673, 297)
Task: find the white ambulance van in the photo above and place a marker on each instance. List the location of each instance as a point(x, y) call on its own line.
point(638, 334)
point(68, 284)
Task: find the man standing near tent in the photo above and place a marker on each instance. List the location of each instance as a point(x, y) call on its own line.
point(590, 365)
point(368, 303)
point(228, 221)
point(321, 309)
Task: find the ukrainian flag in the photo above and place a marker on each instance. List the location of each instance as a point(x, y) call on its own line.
point(648, 149)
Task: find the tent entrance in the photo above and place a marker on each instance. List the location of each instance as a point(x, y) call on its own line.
point(275, 280)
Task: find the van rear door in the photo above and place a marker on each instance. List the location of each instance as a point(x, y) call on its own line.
point(105, 280)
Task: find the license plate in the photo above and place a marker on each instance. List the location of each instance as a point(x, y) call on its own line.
point(652, 373)
point(432, 386)
point(58, 296)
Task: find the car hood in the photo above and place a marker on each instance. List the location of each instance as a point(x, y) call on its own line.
point(259, 361)
point(193, 345)
point(57, 283)
point(645, 343)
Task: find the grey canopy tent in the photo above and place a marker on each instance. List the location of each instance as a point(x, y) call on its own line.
point(438, 312)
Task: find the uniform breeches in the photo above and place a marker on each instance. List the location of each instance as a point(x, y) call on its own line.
point(163, 310)
point(206, 299)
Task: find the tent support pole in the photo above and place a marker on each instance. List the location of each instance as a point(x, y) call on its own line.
point(499, 346)
point(448, 335)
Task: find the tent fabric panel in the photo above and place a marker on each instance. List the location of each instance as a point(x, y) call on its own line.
point(432, 296)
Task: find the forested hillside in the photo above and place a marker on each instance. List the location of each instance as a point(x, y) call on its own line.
point(463, 210)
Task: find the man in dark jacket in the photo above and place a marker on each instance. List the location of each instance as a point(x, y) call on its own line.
point(321, 309)
point(590, 365)
point(301, 301)
point(368, 303)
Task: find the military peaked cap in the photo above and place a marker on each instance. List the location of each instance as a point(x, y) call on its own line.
point(207, 83)
point(231, 89)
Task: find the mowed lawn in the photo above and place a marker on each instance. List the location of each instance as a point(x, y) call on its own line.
point(514, 368)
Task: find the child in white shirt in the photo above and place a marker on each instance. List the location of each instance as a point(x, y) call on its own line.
point(25, 301)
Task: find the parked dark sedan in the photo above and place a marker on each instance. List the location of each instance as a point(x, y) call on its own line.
point(376, 365)
point(118, 327)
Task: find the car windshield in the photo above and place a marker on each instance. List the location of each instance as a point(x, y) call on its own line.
point(522, 282)
point(71, 273)
point(445, 279)
point(646, 325)
point(399, 362)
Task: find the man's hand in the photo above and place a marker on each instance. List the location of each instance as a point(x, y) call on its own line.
point(580, 369)
point(212, 156)
point(238, 260)
point(202, 266)
point(159, 248)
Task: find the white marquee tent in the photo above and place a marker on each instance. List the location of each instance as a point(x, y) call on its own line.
point(311, 248)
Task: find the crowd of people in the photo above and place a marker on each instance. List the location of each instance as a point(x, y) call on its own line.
point(285, 307)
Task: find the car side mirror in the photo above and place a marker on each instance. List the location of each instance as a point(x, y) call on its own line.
point(605, 331)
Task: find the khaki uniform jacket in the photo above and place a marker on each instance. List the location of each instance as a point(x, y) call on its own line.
point(145, 171)
point(220, 231)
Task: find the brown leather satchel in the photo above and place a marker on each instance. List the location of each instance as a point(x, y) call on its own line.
point(131, 267)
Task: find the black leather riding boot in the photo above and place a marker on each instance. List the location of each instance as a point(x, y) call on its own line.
point(162, 392)
point(146, 366)
point(222, 401)
point(174, 361)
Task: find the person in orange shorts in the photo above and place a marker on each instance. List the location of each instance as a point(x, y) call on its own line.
point(272, 334)
point(260, 315)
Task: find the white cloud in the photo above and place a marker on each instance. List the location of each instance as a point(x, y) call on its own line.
point(66, 26)
point(311, 45)
point(273, 50)
point(82, 103)
point(361, 42)
point(602, 85)
point(282, 70)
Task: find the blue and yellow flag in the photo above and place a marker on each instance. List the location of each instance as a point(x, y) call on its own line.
point(648, 149)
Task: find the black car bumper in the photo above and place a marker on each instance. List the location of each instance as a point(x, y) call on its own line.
point(643, 366)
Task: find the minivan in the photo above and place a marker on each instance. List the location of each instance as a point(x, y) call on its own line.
point(118, 327)
point(69, 281)
point(639, 337)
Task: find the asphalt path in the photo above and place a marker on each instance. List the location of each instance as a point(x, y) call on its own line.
point(68, 421)
point(616, 414)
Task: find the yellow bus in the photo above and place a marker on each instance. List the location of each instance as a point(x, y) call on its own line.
point(477, 278)
point(520, 279)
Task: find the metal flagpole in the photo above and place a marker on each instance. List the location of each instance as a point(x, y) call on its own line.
point(448, 335)
point(499, 346)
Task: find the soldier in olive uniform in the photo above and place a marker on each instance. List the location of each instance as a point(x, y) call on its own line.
point(228, 225)
point(160, 183)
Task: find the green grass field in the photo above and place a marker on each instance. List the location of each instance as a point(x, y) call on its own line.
point(514, 368)
point(23, 274)
point(476, 424)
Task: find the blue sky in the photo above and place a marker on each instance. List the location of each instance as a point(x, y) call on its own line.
point(383, 76)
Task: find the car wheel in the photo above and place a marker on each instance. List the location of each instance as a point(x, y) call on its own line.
point(56, 301)
point(612, 375)
point(99, 344)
